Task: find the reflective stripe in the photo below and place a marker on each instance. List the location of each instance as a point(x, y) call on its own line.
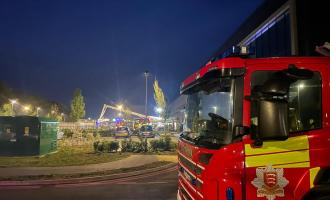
point(200, 166)
point(200, 195)
point(191, 161)
point(178, 195)
point(291, 144)
point(182, 185)
point(182, 165)
point(312, 174)
point(284, 158)
point(187, 182)
point(190, 185)
point(186, 157)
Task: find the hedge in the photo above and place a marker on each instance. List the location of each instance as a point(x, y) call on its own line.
point(162, 144)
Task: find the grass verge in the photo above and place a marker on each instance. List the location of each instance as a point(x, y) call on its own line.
point(66, 156)
point(103, 173)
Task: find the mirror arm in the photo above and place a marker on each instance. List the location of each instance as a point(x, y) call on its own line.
point(257, 143)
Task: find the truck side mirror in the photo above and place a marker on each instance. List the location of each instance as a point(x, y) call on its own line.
point(273, 119)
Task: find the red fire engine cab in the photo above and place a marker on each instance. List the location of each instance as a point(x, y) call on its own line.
point(257, 128)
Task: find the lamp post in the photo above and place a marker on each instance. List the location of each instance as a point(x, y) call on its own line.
point(13, 102)
point(63, 118)
point(146, 74)
point(38, 109)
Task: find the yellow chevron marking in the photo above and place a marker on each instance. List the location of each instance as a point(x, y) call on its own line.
point(312, 174)
point(291, 144)
point(277, 158)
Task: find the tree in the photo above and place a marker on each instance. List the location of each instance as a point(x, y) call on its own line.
point(77, 106)
point(160, 100)
point(6, 110)
point(55, 112)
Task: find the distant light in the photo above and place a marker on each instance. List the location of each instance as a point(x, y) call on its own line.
point(119, 114)
point(88, 118)
point(301, 86)
point(159, 110)
point(120, 106)
point(26, 108)
point(13, 101)
point(38, 108)
point(114, 119)
point(244, 50)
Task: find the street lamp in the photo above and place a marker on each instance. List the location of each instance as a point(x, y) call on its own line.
point(159, 110)
point(26, 108)
point(146, 74)
point(13, 102)
point(38, 109)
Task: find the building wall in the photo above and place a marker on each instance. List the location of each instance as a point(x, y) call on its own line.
point(281, 28)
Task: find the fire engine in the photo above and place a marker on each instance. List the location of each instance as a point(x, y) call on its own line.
point(256, 128)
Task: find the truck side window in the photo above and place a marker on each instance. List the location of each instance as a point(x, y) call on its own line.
point(305, 101)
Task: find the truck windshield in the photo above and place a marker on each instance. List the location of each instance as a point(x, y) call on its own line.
point(209, 115)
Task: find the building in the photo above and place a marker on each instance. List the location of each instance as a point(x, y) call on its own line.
point(281, 28)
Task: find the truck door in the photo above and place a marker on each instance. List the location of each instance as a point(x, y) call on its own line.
point(281, 169)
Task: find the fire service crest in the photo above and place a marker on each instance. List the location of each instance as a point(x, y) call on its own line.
point(270, 182)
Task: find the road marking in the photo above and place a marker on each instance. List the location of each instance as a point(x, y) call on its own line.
point(116, 181)
point(142, 183)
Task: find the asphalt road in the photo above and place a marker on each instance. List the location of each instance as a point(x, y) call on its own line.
point(162, 186)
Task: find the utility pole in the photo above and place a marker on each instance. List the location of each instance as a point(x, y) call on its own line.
point(12, 101)
point(146, 74)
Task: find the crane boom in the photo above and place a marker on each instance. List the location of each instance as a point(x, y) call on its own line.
point(106, 106)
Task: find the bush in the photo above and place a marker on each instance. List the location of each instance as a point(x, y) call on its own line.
point(167, 143)
point(134, 146)
point(90, 136)
point(100, 147)
point(95, 145)
point(67, 133)
point(126, 145)
point(144, 144)
point(113, 146)
point(162, 144)
point(154, 145)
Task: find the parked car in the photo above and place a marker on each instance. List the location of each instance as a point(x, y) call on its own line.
point(122, 131)
point(146, 131)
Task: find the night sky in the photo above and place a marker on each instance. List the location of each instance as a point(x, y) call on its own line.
point(49, 48)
